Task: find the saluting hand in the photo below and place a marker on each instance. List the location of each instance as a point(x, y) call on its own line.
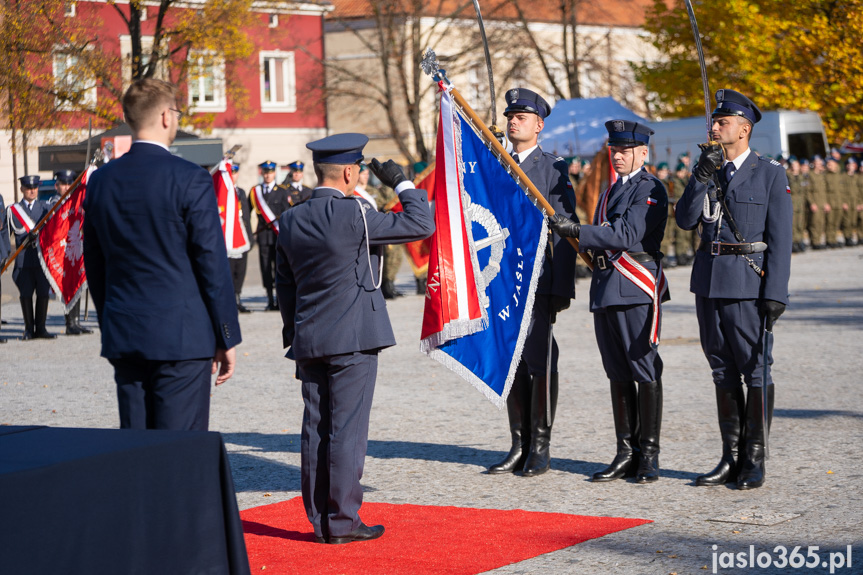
point(389, 173)
point(224, 362)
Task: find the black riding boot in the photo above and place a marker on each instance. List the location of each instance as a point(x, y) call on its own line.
point(240, 307)
point(730, 407)
point(388, 288)
point(272, 304)
point(518, 412)
point(539, 457)
point(650, 419)
point(41, 317)
point(27, 310)
point(73, 321)
point(752, 467)
point(624, 408)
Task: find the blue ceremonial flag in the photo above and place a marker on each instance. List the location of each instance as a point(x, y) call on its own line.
point(507, 234)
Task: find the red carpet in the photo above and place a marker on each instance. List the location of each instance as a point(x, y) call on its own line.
point(418, 539)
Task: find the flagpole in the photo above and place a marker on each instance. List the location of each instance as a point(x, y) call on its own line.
point(430, 67)
point(97, 155)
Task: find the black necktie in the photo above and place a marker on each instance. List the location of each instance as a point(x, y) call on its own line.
point(515, 157)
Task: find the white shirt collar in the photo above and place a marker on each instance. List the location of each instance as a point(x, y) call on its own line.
point(522, 156)
point(738, 161)
point(160, 144)
point(627, 177)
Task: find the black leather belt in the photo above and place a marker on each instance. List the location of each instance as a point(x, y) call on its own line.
point(724, 249)
point(601, 262)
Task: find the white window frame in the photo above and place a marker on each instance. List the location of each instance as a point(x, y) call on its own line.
point(289, 80)
point(69, 9)
point(273, 21)
point(126, 56)
point(219, 103)
point(90, 93)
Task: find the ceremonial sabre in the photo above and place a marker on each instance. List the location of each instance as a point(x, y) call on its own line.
point(494, 129)
point(703, 66)
point(766, 339)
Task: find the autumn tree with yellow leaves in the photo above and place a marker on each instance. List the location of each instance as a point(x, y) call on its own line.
point(784, 55)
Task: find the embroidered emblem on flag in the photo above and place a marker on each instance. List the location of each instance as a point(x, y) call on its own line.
point(506, 235)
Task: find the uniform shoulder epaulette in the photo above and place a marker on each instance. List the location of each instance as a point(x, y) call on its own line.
point(552, 156)
point(771, 160)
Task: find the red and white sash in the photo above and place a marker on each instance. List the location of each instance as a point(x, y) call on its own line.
point(637, 273)
point(20, 220)
point(263, 209)
point(230, 211)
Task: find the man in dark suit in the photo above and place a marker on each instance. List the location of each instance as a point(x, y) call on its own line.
point(27, 273)
point(626, 293)
point(746, 228)
point(335, 322)
point(269, 200)
point(239, 264)
point(158, 272)
point(528, 400)
point(297, 191)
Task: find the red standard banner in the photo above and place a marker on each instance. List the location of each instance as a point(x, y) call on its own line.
point(61, 246)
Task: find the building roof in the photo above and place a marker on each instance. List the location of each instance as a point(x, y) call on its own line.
point(616, 13)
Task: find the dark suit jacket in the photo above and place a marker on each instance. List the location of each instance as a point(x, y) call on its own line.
point(155, 258)
point(637, 213)
point(760, 202)
point(326, 290)
point(29, 258)
point(550, 176)
point(246, 206)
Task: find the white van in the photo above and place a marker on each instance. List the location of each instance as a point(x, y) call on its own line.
point(789, 132)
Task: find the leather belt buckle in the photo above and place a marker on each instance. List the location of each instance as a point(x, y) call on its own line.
point(715, 248)
point(601, 262)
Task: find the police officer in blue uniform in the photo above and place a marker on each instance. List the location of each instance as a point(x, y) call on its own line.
point(297, 191)
point(626, 293)
point(276, 198)
point(27, 273)
point(63, 180)
point(335, 322)
point(528, 400)
point(739, 278)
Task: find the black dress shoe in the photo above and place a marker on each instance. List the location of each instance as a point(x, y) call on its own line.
point(72, 329)
point(44, 334)
point(361, 533)
point(320, 539)
point(243, 309)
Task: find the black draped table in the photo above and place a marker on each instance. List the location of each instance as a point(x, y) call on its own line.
point(117, 501)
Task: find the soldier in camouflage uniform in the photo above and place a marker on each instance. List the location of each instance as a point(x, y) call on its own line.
point(818, 205)
point(393, 254)
point(849, 206)
point(798, 202)
point(835, 197)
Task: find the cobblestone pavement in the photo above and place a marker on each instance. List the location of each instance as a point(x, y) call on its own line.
point(432, 434)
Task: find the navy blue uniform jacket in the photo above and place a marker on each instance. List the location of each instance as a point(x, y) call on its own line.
point(5, 244)
point(549, 174)
point(156, 260)
point(326, 290)
point(637, 214)
point(29, 258)
point(759, 200)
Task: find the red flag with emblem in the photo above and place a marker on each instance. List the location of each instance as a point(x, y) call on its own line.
point(230, 211)
point(61, 246)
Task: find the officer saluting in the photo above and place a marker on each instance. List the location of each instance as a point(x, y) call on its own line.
point(27, 273)
point(626, 292)
point(269, 200)
point(297, 192)
point(528, 401)
point(745, 229)
point(336, 322)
